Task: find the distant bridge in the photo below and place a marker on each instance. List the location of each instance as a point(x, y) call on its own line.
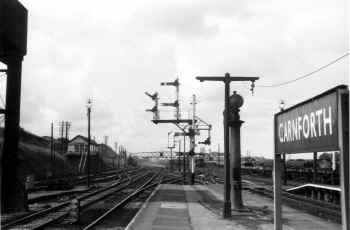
point(154, 154)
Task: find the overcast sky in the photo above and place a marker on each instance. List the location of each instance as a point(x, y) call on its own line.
point(114, 51)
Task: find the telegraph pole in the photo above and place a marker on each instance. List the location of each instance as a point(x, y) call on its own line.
point(89, 142)
point(227, 79)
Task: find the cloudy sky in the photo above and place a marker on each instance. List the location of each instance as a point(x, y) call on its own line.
point(114, 51)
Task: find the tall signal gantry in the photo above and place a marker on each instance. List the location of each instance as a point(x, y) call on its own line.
point(188, 127)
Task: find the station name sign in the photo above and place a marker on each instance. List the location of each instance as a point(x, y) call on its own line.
point(310, 126)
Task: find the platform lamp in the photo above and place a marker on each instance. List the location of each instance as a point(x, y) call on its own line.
point(88, 106)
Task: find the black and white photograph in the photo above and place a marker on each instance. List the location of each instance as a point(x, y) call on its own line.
point(174, 115)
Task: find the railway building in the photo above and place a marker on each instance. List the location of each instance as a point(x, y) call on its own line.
point(77, 154)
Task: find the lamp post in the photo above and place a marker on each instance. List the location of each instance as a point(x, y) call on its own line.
point(227, 80)
point(88, 106)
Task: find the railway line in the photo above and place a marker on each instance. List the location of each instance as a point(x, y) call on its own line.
point(76, 179)
point(147, 187)
point(263, 187)
point(123, 190)
point(46, 216)
point(97, 181)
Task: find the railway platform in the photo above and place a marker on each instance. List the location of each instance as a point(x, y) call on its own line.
point(185, 207)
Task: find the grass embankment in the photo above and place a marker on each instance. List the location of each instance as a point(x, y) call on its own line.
point(35, 157)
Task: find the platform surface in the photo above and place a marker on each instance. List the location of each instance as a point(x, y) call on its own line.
point(199, 207)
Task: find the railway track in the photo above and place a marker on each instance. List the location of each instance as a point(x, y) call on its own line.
point(261, 187)
point(97, 182)
point(149, 185)
point(318, 208)
point(78, 180)
point(40, 219)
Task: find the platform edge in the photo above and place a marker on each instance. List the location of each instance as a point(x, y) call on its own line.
point(128, 227)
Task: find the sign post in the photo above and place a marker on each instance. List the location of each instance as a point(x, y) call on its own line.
point(343, 121)
point(318, 124)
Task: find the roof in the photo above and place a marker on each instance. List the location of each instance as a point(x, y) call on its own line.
point(84, 138)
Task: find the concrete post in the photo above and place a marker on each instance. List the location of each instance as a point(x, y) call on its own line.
point(235, 123)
